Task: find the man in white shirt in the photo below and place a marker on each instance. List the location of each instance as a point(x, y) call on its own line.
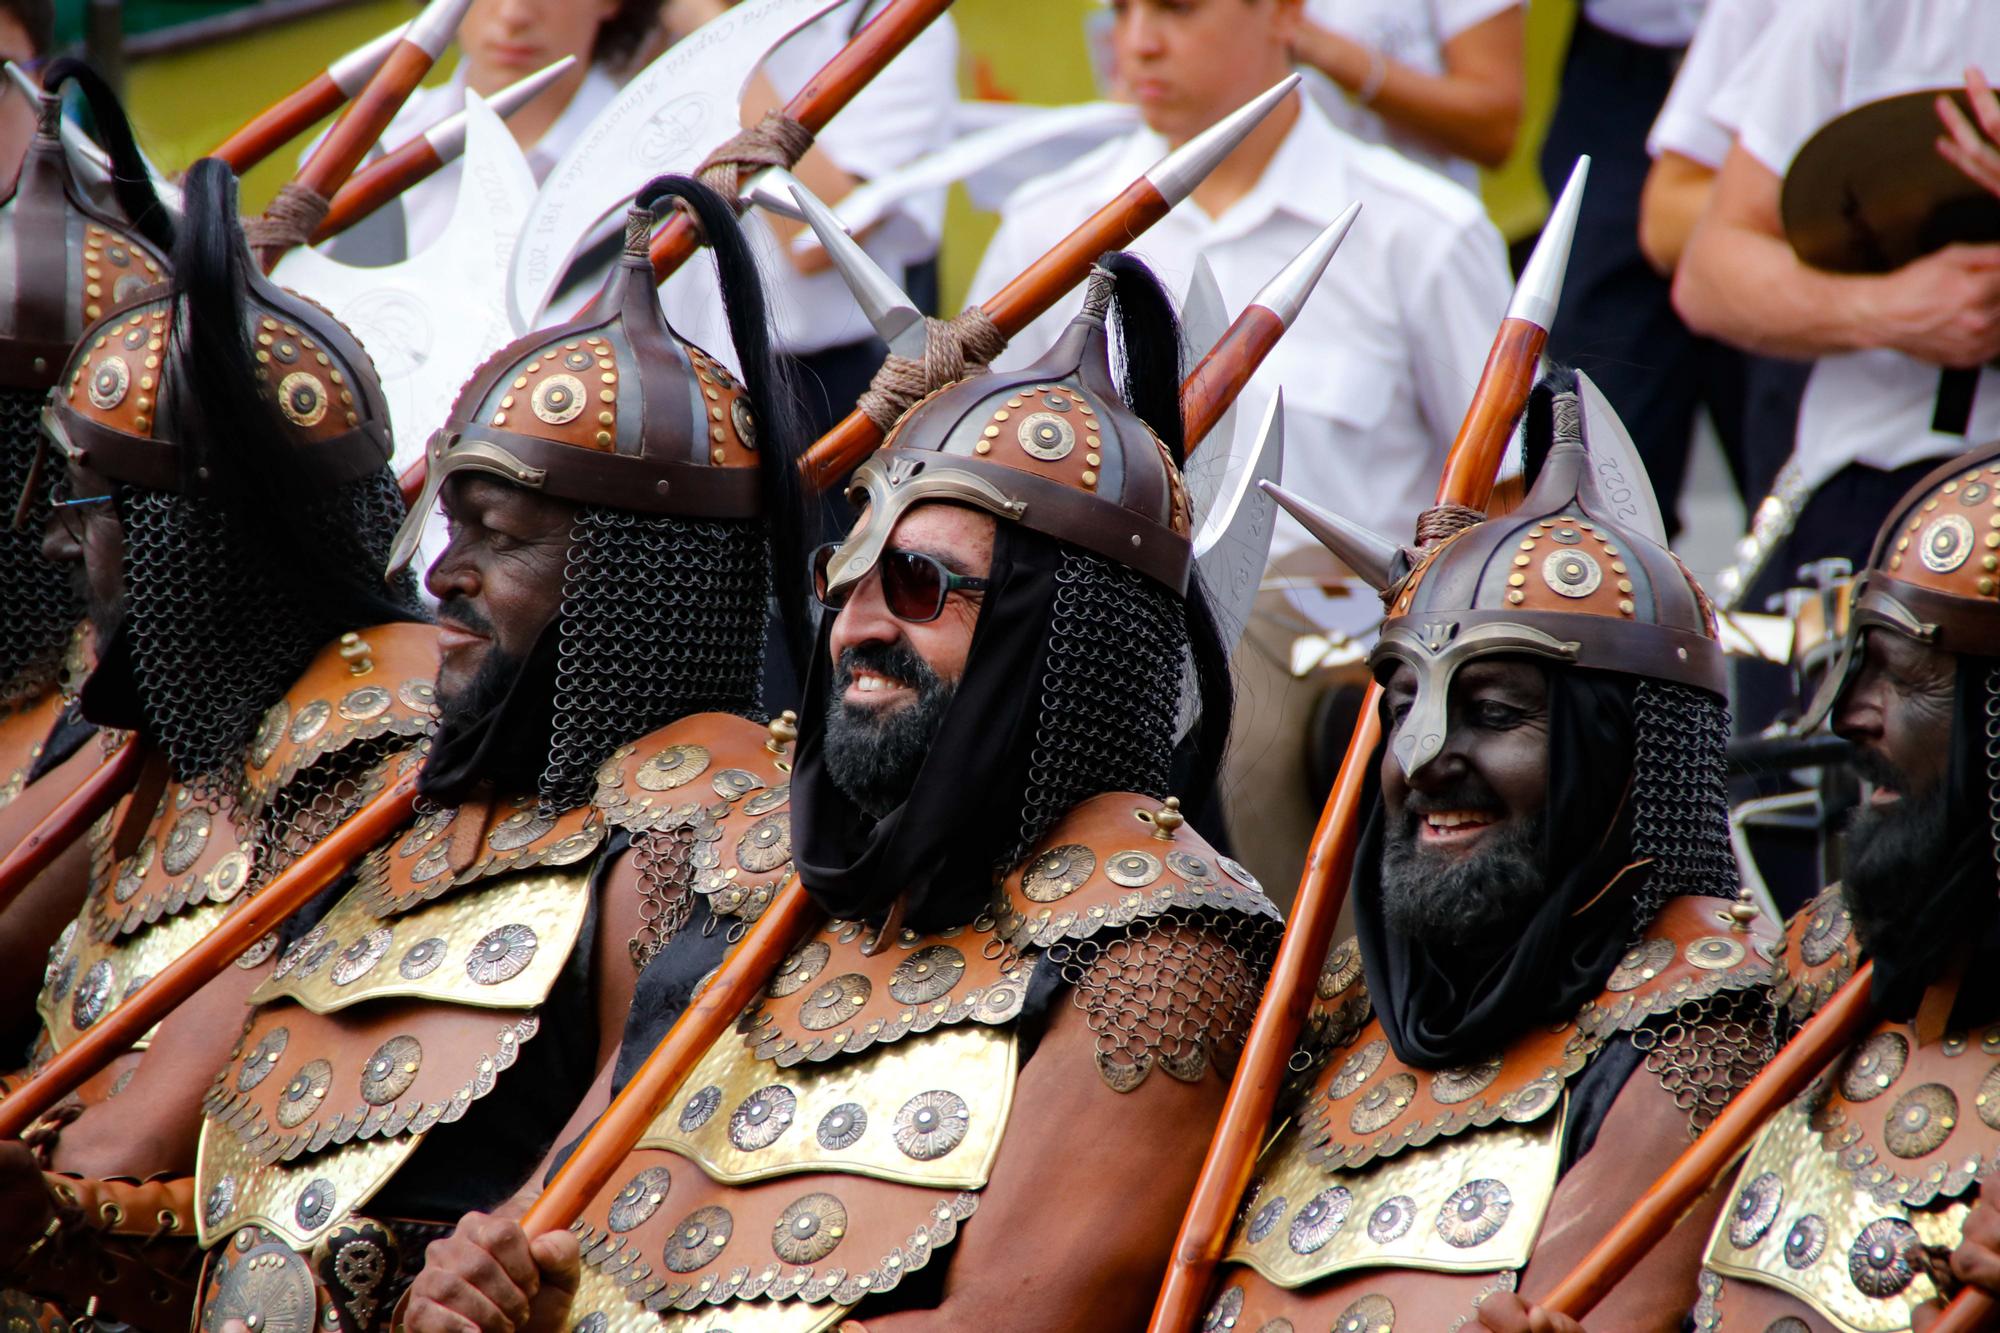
point(1377, 371)
point(1873, 418)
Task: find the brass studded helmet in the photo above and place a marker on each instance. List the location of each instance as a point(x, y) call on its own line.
point(1934, 575)
point(1564, 577)
point(613, 408)
point(1052, 447)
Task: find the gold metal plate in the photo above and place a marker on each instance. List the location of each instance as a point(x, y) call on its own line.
point(599, 1295)
point(268, 1195)
point(131, 957)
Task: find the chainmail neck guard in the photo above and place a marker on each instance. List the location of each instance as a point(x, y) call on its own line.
point(1680, 797)
point(662, 617)
point(39, 606)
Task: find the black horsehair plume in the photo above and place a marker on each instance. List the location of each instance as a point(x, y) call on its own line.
point(779, 425)
point(129, 177)
point(1149, 341)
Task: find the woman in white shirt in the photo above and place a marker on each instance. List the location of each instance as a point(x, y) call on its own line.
point(1438, 80)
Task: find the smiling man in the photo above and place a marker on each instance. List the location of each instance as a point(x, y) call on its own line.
point(982, 1084)
point(1551, 990)
point(1849, 1203)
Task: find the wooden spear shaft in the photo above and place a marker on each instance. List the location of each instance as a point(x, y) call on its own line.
point(245, 924)
point(321, 95)
point(66, 823)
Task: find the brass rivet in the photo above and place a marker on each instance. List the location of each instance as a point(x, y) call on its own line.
point(607, 396)
point(1624, 585)
point(1516, 598)
point(718, 455)
point(604, 437)
point(499, 418)
point(605, 418)
point(1090, 478)
point(1626, 607)
point(1516, 580)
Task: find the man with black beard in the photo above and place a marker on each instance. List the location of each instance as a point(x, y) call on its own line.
point(601, 607)
point(1851, 1200)
point(979, 1090)
point(1552, 988)
point(223, 448)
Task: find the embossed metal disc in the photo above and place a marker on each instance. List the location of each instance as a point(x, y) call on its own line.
point(226, 878)
point(268, 1289)
point(764, 802)
point(422, 958)
point(315, 1206)
point(418, 694)
point(640, 1198)
point(302, 1096)
point(700, 1108)
point(1190, 867)
point(744, 420)
point(1449, 1087)
point(296, 952)
point(518, 830)
point(1530, 1101)
point(1278, 1325)
point(257, 1066)
point(1875, 1064)
point(366, 702)
point(254, 956)
point(1572, 573)
point(93, 995)
point(761, 1117)
point(1946, 543)
point(391, 1070)
point(1265, 1220)
point(269, 732)
point(1356, 1069)
point(1921, 1120)
point(1381, 1104)
point(766, 845)
point(1714, 953)
point(1805, 1242)
point(559, 399)
point(594, 1322)
point(1640, 965)
point(1884, 1257)
point(311, 718)
point(1392, 1219)
point(110, 382)
point(358, 959)
point(1756, 1208)
point(303, 398)
point(733, 783)
point(1474, 1213)
point(1059, 872)
point(1370, 1314)
point(1046, 436)
point(931, 1124)
point(1133, 869)
point(927, 974)
point(1825, 932)
point(133, 873)
point(701, 1236)
point(1238, 873)
point(810, 1228)
point(1316, 1222)
point(835, 1002)
point(1223, 1314)
point(675, 766)
point(501, 954)
point(220, 1200)
point(1987, 1100)
point(185, 842)
point(842, 1127)
point(64, 978)
point(1343, 965)
point(799, 968)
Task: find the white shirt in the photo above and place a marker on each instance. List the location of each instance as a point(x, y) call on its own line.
point(1410, 32)
point(902, 114)
point(1694, 122)
point(1380, 366)
point(1654, 22)
point(1823, 58)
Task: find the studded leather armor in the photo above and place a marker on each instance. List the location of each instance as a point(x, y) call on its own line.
point(1395, 1196)
point(837, 1139)
point(412, 999)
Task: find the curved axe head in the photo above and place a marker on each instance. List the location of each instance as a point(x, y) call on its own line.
point(669, 117)
point(1620, 473)
point(1232, 532)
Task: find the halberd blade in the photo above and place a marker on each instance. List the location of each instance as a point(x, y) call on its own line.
point(1232, 538)
point(1617, 470)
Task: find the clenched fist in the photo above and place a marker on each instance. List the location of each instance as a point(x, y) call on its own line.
point(489, 1277)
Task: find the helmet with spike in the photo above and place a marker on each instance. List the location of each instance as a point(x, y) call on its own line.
point(1570, 577)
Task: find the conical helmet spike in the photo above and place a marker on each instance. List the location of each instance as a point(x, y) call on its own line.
point(1540, 288)
point(1375, 558)
point(894, 316)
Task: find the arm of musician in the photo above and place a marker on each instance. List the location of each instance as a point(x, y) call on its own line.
point(1677, 190)
point(30, 924)
point(1740, 281)
point(1472, 109)
point(1097, 1177)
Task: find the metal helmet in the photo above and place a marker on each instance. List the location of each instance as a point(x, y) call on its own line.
point(1571, 577)
point(613, 408)
point(1053, 447)
point(1934, 574)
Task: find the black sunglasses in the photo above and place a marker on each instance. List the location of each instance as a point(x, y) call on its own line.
point(914, 585)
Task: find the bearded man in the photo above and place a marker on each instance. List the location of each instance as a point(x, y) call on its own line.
point(229, 502)
point(1552, 988)
point(603, 602)
point(75, 252)
point(1024, 955)
point(1853, 1199)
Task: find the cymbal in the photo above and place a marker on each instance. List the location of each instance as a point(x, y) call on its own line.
point(1869, 193)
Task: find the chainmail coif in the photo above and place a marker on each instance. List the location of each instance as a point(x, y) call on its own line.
point(662, 617)
point(216, 637)
point(39, 606)
point(1680, 798)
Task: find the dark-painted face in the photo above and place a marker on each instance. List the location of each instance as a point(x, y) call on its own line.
point(499, 580)
point(90, 539)
point(1494, 767)
point(1897, 712)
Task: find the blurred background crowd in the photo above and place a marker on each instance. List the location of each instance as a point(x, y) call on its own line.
point(1786, 284)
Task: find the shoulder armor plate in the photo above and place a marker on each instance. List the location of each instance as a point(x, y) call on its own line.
point(1821, 952)
point(415, 867)
point(1106, 864)
point(188, 857)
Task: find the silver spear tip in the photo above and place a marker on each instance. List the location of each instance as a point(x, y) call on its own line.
point(433, 29)
point(1285, 295)
point(1540, 289)
point(352, 71)
point(893, 315)
point(1177, 174)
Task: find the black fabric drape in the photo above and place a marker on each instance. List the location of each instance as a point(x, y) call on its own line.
point(1442, 1007)
point(508, 744)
